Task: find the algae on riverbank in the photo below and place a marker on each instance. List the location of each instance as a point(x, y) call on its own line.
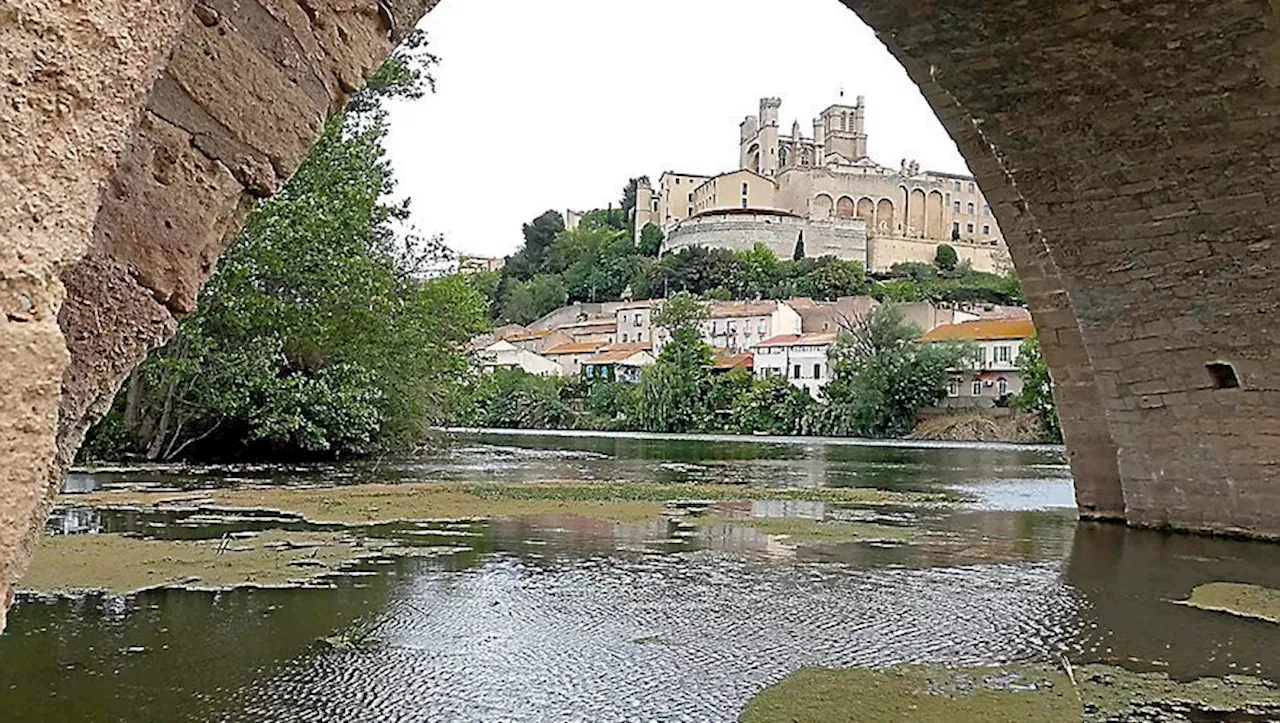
point(1248, 601)
point(1011, 694)
point(918, 694)
point(803, 530)
point(125, 564)
point(376, 503)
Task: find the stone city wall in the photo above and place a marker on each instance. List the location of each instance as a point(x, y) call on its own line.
point(845, 239)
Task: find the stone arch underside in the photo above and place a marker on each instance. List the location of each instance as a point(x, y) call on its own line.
point(1140, 213)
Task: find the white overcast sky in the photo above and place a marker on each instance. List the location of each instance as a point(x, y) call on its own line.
point(554, 104)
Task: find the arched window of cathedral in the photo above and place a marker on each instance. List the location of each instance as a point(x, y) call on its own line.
point(784, 157)
point(845, 207)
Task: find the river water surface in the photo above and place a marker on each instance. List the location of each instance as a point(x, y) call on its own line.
point(579, 619)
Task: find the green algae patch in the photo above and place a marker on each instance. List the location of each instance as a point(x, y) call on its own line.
point(917, 694)
point(380, 503)
point(1116, 694)
point(932, 694)
point(125, 564)
point(810, 531)
point(1248, 601)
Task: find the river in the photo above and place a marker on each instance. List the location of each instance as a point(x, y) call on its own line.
point(564, 617)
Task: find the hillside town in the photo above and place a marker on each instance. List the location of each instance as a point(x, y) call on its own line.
point(791, 339)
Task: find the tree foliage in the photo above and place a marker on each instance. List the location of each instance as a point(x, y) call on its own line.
point(318, 336)
point(1037, 389)
point(946, 258)
point(673, 391)
point(883, 376)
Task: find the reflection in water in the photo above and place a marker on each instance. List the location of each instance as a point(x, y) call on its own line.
point(564, 618)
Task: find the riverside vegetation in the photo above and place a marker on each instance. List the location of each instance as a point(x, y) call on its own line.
point(882, 378)
point(323, 334)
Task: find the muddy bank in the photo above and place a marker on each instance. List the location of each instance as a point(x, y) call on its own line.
point(930, 694)
point(1017, 428)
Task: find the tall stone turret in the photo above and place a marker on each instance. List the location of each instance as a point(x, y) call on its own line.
point(748, 143)
point(770, 109)
point(819, 141)
point(845, 130)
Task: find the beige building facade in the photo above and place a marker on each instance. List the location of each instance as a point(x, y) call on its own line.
point(829, 182)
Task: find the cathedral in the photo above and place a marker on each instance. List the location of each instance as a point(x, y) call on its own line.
point(823, 195)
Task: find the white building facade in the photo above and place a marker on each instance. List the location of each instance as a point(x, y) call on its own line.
point(804, 360)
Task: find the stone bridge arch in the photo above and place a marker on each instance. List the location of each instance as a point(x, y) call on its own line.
point(1129, 150)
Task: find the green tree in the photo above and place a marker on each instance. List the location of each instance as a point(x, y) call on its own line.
point(317, 336)
point(629, 199)
point(773, 406)
point(883, 376)
point(514, 399)
point(539, 235)
point(946, 258)
point(1037, 389)
point(673, 391)
point(527, 301)
point(650, 240)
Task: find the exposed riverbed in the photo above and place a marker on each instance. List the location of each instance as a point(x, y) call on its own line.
point(569, 578)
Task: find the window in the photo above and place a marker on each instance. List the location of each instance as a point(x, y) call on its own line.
point(763, 326)
point(817, 371)
point(955, 207)
point(744, 203)
point(1003, 353)
point(797, 371)
point(969, 228)
point(1003, 385)
point(955, 230)
point(986, 230)
point(986, 210)
point(677, 181)
point(981, 355)
point(639, 321)
point(714, 328)
point(691, 201)
point(953, 388)
point(744, 189)
point(955, 185)
point(972, 188)
point(977, 388)
point(624, 338)
point(970, 209)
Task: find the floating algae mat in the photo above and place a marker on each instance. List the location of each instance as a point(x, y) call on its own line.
point(935, 694)
point(1248, 601)
point(373, 503)
point(125, 563)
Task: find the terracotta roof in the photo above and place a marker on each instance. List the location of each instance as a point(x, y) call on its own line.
point(726, 360)
point(589, 324)
point(986, 330)
point(585, 347)
point(526, 336)
point(738, 309)
point(799, 340)
point(614, 356)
